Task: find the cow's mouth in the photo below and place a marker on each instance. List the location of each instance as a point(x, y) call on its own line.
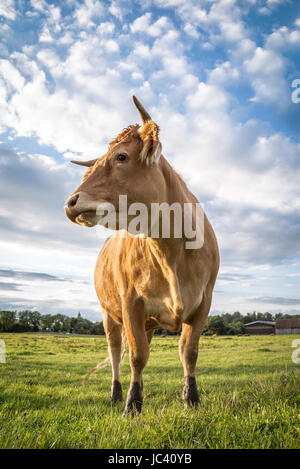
point(87, 218)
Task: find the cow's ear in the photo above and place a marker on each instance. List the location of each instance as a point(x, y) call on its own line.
point(151, 151)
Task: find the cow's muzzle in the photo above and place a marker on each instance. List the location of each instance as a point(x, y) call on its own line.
point(79, 211)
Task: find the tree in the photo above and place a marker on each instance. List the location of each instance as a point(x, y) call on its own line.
point(83, 326)
point(66, 326)
point(29, 320)
point(46, 321)
point(235, 327)
point(98, 329)
point(79, 325)
point(268, 317)
point(215, 325)
point(35, 318)
point(60, 323)
point(7, 320)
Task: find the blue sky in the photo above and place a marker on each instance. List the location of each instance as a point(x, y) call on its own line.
point(217, 77)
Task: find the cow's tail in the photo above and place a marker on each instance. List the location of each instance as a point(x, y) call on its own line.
point(107, 360)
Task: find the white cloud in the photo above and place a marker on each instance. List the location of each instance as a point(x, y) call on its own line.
point(45, 35)
point(191, 31)
point(232, 31)
point(284, 38)
point(48, 58)
point(65, 39)
point(12, 77)
point(274, 2)
point(106, 28)
point(266, 72)
point(7, 9)
point(111, 46)
point(224, 73)
point(117, 10)
point(71, 118)
point(187, 9)
point(39, 5)
point(269, 6)
point(208, 99)
point(142, 50)
point(264, 61)
point(89, 10)
point(25, 65)
point(54, 14)
point(143, 25)
point(137, 76)
point(174, 66)
point(51, 25)
point(223, 15)
point(244, 50)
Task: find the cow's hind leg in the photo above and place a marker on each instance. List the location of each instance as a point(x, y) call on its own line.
point(138, 342)
point(188, 350)
point(114, 338)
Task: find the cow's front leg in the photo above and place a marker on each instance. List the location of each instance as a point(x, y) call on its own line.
point(134, 322)
point(113, 333)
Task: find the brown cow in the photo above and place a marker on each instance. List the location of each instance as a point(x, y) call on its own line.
point(144, 283)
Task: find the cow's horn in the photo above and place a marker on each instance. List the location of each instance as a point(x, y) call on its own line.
point(85, 163)
point(142, 111)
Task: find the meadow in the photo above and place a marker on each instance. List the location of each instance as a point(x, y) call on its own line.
point(249, 390)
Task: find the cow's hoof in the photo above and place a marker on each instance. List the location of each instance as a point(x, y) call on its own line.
point(132, 409)
point(134, 400)
point(190, 392)
point(116, 391)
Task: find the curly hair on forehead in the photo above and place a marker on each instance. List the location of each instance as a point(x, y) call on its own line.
point(148, 133)
point(131, 130)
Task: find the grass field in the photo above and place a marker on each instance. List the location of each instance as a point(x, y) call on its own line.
point(249, 389)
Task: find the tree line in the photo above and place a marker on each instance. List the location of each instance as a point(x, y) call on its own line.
point(33, 321)
point(234, 324)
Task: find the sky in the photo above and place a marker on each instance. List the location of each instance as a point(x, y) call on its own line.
point(219, 78)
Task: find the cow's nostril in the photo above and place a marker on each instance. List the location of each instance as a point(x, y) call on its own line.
point(73, 200)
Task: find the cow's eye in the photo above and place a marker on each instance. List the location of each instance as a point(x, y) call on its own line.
point(122, 157)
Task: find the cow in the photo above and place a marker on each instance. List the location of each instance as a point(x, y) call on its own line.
point(145, 282)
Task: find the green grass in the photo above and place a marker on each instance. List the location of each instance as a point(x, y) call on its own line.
point(249, 389)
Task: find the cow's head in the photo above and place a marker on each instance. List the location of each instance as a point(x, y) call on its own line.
point(130, 167)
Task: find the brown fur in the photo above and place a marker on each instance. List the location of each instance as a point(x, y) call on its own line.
point(130, 131)
point(146, 283)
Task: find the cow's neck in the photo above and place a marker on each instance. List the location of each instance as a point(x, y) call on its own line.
point(176, 192)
